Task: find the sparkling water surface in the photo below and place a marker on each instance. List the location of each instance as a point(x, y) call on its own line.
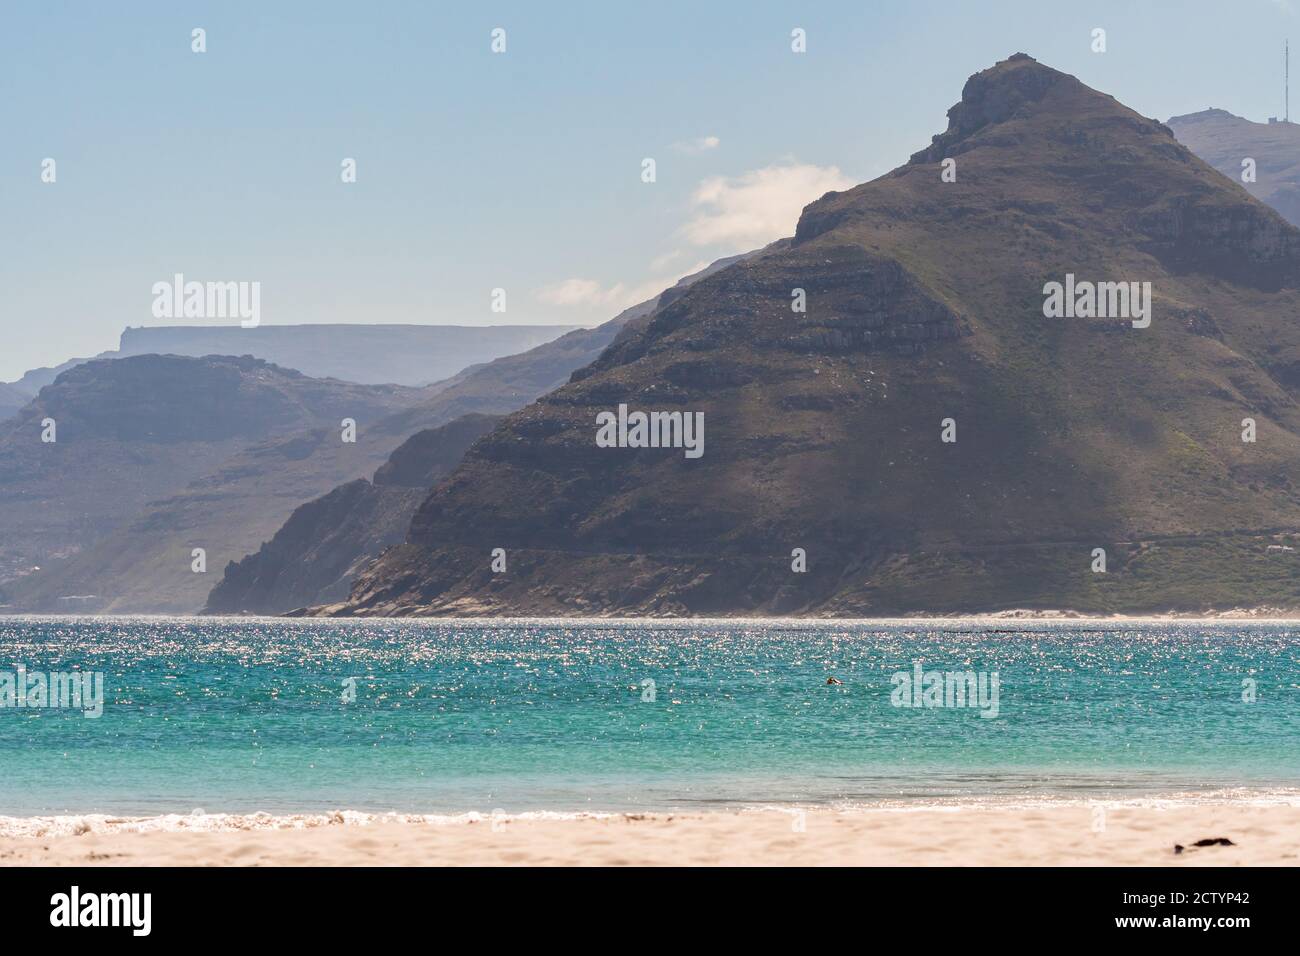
point(245, 715)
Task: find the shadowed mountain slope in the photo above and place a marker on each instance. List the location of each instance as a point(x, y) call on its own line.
point(315, 555)
point(925, 302)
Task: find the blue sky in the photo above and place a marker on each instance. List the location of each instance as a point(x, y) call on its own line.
point(519, 170)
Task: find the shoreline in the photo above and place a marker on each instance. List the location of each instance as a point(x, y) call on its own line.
point(1259, 615)
point(22, 826)
point(1076, 833)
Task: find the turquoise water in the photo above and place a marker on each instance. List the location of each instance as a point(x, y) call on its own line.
point(248, 715)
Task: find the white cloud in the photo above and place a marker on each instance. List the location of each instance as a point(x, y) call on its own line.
point(750, 210)
point(578, 292)
point(661, 263)
point(735, 213)
point(589, 293)
point(701, 145)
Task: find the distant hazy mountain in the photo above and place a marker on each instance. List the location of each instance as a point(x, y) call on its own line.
point(1225, 141)
point(11, 399)
point(125, 556)
point(129, 431)
point(827, 483)
point(234, 501)
point(314, 557)
point(33, 380)
point(370, 354)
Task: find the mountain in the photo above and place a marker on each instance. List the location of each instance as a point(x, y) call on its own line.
point(234, 499)
point(129, 431)
point(369, 354)
point(11, 400)
point(331, 538)
point(133, 556)
point(927, 305)
point(1224, 141)
point(315, 555)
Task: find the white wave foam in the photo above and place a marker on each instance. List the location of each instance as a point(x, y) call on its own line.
point(201, 822)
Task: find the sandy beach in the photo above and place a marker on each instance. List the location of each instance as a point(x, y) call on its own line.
point(1069, 835)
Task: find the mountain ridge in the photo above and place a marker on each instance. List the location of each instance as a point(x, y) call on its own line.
point(368, 354)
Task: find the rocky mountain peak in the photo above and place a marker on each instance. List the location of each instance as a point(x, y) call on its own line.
point(994, 96)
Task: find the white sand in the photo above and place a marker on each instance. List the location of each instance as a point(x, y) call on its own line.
point(1061, 835)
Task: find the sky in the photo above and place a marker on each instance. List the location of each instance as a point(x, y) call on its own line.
point(520, 170)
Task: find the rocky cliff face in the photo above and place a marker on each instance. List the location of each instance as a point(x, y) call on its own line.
point(827, 431)
point(315, 555)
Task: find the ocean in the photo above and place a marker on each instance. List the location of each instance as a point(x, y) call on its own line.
point(286, 717)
